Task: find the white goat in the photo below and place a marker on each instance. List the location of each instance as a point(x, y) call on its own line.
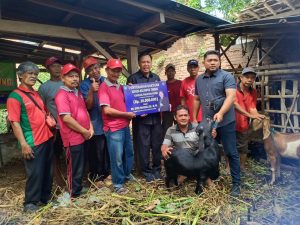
point(278, 144)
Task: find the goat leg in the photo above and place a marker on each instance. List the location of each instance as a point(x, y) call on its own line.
point(273, 159)
point(199, 185)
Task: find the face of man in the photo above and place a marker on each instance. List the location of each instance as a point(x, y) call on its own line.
point(247, 79)
point(71, 80)
point(182, 117)
point(170, 72)
point(145, 64)
point(113, 74)
point(193, 70)
point(29, 78)
point(55, 70)
point(212, 63)
point(94, 71)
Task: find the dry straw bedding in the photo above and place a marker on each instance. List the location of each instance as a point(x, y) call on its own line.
point(154, 204)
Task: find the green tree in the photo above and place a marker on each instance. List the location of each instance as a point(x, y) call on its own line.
point(229, 8)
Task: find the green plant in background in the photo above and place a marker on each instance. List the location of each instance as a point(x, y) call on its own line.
point(3, 122)
point(201, 52)
point(158, 63)
point(122, 80)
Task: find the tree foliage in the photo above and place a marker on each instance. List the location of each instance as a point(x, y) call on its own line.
point(229, 8)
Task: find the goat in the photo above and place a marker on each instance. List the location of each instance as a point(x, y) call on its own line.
point(200, 166)
point(276, 145)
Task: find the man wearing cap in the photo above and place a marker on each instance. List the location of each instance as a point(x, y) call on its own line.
point(34, 136)
point(116, 126)
point(75, 126)
point(97, 153)
point(245, 109)
point(147, 129)
point(173, 86)
point(187, 90)
point(48, 91)
point(215, 90)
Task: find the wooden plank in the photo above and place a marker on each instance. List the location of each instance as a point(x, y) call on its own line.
point(253, 14)
point(80, 11)
point(90, 40)
point(285, 14)
point(270, 49)
point(282, 112)
point(29, 28)
point(288, 4)
point(288, 115)
point(168, 32)
point(278, 66)
point(151, 23)
point(279, 72)
point(295, 90)
point(268, 7)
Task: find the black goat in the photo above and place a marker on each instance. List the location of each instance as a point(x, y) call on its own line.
point(200, 166)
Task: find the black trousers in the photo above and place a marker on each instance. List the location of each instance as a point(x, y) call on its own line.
point(167, 121)
point(39, 174)
point(75, 168)
point(149, 137)
point(98, 157)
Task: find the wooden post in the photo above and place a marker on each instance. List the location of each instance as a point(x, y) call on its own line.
point(132, 59)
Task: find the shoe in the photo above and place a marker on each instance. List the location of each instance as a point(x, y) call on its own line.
point(121, 191)
point(235, 190)
point(150, 178)
point(31, 208)
point(130, 178)
point(157, 175)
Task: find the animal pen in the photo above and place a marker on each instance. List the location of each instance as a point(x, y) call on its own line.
point(87, 27)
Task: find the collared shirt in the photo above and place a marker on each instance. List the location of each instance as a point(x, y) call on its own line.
point(71, 102)
point(179, 140)
point(247, 100)
point(211, 89)
point(187, 91)
point(138, 78)
point(21, 109)
point(95, 112)
point(48, 91)
point(112, 95)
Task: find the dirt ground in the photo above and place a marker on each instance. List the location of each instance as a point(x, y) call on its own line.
point(153, 204)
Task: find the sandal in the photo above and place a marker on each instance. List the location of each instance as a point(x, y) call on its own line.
point(122, 191)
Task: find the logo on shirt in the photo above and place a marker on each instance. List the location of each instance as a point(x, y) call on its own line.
point(191, 90)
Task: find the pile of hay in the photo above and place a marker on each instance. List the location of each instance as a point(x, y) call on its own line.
point(153, 204)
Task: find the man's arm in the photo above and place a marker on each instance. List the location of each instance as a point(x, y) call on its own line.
point(196, 107)
point(25, 148)
point(74, 125)
point(116, 113)
point(228, 102)
point(241, 110)
point(166, 151)
point(255, 115)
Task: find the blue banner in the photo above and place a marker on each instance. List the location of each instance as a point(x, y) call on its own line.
point(147, 98)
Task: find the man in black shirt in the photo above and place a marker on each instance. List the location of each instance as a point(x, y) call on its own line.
point(147, 128)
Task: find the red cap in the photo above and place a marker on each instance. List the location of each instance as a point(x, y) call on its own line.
point(68, 68)
point(51, 60)
point(114, 63)
point(89, 61)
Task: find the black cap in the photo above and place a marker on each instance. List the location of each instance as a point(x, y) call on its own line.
point(248, 70)
point(192, 62)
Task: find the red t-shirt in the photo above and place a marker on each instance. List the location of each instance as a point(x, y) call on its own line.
point(247, 100)
point(21, 109)
point(174, 95)
point(71, 102)
point(187, 91)
point(112, 95)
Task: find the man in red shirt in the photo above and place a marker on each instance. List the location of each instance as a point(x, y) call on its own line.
point(187, 90)
point(116, 126)
point(26, 113)
point(173, 86)
point(245, 109)
point(75, 126)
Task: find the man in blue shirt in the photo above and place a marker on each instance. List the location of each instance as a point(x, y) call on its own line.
point(215, 90)
point(97, 153)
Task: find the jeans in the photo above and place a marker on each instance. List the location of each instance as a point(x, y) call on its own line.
point(39, 174)
point(120, 150)
point(226, 134)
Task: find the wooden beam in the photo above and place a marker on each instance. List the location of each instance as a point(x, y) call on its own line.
point(168, 32)
point(269, 8)
point(234, 69)
point(79, 11)
point(28, 28)
point(70, 15)
point(269, 50)
point(252, 13)
point(286, 2)
point(285, 14)
point(132, 59)
point(151, 23)
point(168, 14)
point(39, 46)
point(99, 48)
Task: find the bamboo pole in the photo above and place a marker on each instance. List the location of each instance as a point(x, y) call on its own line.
point(279, 72)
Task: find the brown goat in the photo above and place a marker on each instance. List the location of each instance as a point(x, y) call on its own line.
point(278, 144)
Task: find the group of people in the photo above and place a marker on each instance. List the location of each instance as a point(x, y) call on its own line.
point(93, 124)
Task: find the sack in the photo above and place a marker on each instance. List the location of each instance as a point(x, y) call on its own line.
point(50, 121)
